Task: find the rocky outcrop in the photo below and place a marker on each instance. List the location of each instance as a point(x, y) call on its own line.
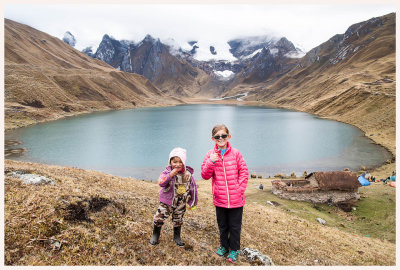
point(152, 59)
point(69, 39)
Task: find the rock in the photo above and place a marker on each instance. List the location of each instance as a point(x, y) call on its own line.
point(34, 179)
point(254, 255)
point(320, 220)
point(273, 203)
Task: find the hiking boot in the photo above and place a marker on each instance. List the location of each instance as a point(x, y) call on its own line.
point(221, 251)
point(156, 235)
point(177, 236)
point(233, 256)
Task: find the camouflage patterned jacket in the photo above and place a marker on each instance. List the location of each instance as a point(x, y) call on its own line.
point(167, 184)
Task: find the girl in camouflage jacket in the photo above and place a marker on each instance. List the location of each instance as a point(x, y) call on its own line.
point(178, 187)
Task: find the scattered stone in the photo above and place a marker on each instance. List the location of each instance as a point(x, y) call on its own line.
point(254, 255)
point(354, 209)
point(54, 244)
point(33, 179)
point(273, 203)
point(320, 220)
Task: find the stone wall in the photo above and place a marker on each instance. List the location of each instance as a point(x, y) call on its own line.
point(332, 196)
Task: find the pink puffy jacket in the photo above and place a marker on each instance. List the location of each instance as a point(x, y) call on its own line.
point(229, 177)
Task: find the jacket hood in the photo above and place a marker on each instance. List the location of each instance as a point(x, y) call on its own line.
point(178, 152)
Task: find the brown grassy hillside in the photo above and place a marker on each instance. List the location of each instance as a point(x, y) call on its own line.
point(90, 218)
point(46, 79)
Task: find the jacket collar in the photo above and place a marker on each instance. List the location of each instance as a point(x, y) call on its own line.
point(217, 150)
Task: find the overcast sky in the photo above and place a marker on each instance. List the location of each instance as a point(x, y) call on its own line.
point(306, 25)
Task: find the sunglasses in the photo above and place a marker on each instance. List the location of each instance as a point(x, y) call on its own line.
point(217, 137)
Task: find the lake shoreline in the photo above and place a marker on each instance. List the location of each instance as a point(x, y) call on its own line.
point(381, 170)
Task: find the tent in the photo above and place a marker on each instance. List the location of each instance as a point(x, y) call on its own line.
point(363, 181)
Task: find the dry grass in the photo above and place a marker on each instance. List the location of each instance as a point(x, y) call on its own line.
point(90, 218)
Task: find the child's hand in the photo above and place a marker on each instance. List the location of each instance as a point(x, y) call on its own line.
point(174, 172)
point(214, 157)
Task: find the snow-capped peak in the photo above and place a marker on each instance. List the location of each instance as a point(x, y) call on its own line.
point(69, 39)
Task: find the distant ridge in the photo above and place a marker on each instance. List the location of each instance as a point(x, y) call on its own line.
point(46, 79)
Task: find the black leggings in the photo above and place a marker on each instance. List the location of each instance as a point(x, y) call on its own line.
point(229, 224)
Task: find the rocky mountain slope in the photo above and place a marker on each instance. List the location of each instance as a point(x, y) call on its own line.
point(350, 78)
point(46, 79)
point(269, 63)
point(153, 60)
point(179, 72)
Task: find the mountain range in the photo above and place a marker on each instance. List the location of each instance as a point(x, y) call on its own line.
point(178, 71)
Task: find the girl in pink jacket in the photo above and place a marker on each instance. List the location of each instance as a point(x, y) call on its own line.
point(229, 173)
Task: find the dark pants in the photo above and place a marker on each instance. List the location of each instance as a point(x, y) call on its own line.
point(229, 224)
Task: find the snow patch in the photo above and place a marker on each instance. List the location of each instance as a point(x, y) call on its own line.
point(203, 52)
point(274, 51)
point(295, 54)
point(251, 55)
point(225, 73)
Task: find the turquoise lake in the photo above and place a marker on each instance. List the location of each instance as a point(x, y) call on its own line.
point(136, 142)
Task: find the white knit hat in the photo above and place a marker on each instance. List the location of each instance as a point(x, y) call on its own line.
point(178, 152)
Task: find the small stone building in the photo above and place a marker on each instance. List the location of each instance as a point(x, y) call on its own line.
point(320, 187)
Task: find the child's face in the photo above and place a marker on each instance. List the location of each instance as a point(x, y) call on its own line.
point(177, 163)
point(219, 140)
